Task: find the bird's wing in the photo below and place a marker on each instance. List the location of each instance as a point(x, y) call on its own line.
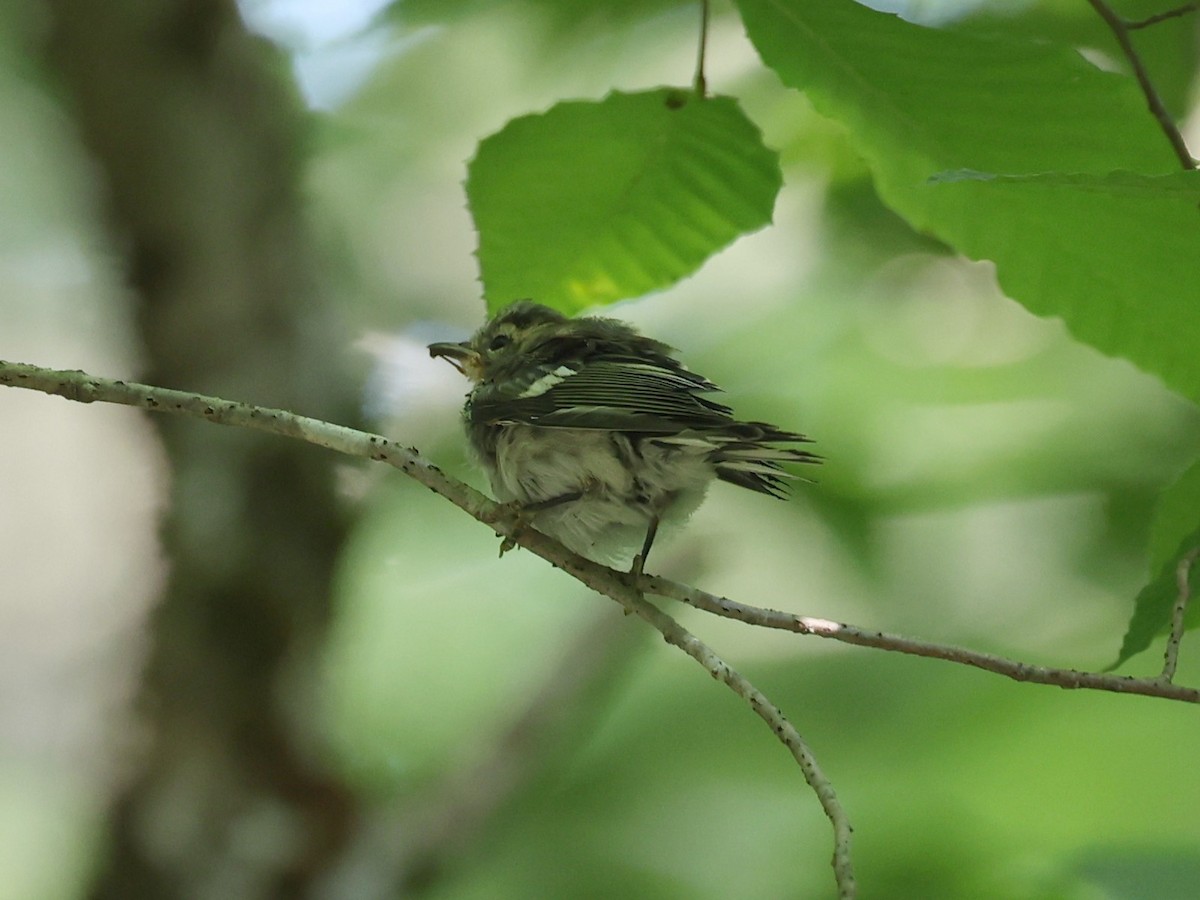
point(617, 394)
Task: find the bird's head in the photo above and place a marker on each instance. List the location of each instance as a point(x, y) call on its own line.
point(510, 341)
point(526, 335)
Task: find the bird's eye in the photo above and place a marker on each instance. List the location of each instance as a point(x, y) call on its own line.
point(500, 341)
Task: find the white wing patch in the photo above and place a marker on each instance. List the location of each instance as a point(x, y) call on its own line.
point(543, 384)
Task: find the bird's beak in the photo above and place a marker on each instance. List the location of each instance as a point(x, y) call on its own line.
point(459, 355)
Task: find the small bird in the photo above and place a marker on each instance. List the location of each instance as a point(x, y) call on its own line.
point(597, 435)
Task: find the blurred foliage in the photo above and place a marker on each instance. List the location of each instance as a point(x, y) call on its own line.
point(560, 14)
point(988, 480)
point(991, 479)
point(1175, 515)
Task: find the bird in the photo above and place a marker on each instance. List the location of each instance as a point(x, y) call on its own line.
point(597, 435)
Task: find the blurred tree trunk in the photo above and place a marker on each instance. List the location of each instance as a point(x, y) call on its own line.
point(195, 133)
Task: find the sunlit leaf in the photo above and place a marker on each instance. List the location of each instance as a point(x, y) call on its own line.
point(592, 202)
point(1118, 267)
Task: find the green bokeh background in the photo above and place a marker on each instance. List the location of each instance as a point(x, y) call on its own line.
point(989, 482)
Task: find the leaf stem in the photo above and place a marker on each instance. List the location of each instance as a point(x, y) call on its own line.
point(1120, 29)
point(1136, 24)
point(1183, 582)
point(699, 84)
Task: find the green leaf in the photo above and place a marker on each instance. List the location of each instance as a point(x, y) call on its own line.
point(1168, 50)
point(1152, 609)
point(1115, 261)
point(592, 202)
point(1177, 517)
point(1175, 532)
point(1118, 266)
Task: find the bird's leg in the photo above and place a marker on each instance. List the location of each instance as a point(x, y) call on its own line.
point(520, 513)
point(639, 561)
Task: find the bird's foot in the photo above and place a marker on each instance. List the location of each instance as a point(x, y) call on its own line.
point(516, 517)
point(510, 521)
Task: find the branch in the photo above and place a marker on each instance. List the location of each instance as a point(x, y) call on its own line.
point(1183, 583)
point(1136, 24)
point(85, 388)
point(674, 633)
point(1070, 679)
point(1120, 29)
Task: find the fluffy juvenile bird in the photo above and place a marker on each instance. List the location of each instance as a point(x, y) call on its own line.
point(598, 435)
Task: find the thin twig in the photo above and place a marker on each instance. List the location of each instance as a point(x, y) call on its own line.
point(1120, 29)
point(1183, 583)
point(85, 388)
point(676, 634)
point(1136, 24)
point(1070, 679)
point(699, 83)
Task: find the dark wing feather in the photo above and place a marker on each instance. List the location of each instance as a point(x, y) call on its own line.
point(618, 394)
